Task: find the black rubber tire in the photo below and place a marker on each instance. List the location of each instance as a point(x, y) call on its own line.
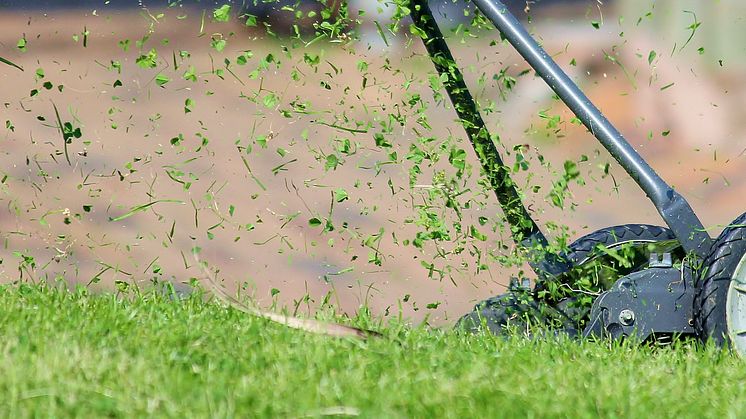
point(714, 280)
point(498, 313)
point(494, 312)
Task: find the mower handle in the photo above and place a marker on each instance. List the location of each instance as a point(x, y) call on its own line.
point(673, 208)
point(524, 230)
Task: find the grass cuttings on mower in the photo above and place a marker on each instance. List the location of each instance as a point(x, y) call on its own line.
point(563, 303)
point(575, 291)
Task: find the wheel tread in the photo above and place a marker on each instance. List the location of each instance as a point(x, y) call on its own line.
point(713, 282)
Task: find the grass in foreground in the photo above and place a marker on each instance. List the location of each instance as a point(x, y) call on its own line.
point(73, 354)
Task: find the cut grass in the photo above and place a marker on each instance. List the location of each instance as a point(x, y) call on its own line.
point(74, 354)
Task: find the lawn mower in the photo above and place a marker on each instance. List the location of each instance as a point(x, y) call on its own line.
point(673, 281)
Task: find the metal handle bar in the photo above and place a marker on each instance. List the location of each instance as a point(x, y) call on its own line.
point(674, 209)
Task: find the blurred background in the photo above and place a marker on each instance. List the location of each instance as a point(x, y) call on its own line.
point(255, 141)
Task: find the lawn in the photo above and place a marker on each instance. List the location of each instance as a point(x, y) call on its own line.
point(78, 354)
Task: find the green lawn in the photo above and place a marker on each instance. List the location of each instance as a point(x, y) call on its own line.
point(72, 354)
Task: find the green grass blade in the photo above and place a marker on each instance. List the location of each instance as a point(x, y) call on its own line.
point(62, 131)
point(143, 207)
point(10, 63)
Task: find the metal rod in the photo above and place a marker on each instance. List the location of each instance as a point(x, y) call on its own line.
point(525, 231)
point(674, 209)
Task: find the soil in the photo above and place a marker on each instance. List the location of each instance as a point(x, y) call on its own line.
point(61, 214)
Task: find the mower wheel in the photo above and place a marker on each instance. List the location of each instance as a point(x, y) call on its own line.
point(497, 312)
point(720, 296)
point(500, 313)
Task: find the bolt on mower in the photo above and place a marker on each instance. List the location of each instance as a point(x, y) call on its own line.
point(650, 282)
